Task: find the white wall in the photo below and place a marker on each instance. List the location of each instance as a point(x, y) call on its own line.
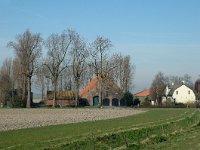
point(184, 95)
point(167, 90)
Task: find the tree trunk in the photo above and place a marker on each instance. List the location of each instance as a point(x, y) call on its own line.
point(100, 80)
point(100, 91)
point(24, 89)
point(12, 93)
point(28, 104)
point(77, 92)
point(42, 92)
point(54, 96)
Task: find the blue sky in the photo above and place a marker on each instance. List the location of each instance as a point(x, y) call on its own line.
point(159, 35)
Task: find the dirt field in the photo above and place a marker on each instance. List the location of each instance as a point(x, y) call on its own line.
point(23, 118)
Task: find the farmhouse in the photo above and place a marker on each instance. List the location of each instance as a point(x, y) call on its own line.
point(111, 93)
point(145, 94)
point(180, 94)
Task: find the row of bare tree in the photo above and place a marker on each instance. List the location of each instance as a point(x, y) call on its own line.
point(70, 62)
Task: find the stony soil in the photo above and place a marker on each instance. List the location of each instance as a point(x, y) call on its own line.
point(25, 118)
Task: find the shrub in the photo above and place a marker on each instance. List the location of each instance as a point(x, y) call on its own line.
point(198, 104)
point(136, 102)
point(159, 139)
point(192, 104)
point(127, 99)
point(188, 105)
point(17, 102)
point(168, 103)
point(180, 105)
point(197, 94)
point(146, 102)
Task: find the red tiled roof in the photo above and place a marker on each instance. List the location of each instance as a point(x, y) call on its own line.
point(143, 93)
point(88, 87)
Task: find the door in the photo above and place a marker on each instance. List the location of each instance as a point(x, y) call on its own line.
point(95, 100)
point(115, 102)
point(106, 102)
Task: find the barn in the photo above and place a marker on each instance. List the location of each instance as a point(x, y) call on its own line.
point(111, 93)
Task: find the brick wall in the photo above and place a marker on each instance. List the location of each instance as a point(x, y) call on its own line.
point(61, 102)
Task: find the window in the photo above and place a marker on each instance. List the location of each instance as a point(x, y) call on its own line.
point(176, 92)
point(188, 92)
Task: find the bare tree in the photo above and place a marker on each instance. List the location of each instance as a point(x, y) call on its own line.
point(173, 80)
point(99, 56)
point(41, 74)
point(79, 55)
point(56, 62)
point(158, 88)
point(101, 62)
point(128, 74)
point(123, 74)
point(28, 48)
point(19, 80)
point(6, 81)
point(186, 79)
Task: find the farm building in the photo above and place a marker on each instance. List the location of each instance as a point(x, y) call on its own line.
point(63, 98)
point(181, 94)
point(111, 93)
point(145, 94)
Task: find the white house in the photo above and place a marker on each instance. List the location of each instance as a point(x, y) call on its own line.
point(181, 94)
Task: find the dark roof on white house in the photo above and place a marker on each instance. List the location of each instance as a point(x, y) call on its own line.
point(173, 88)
